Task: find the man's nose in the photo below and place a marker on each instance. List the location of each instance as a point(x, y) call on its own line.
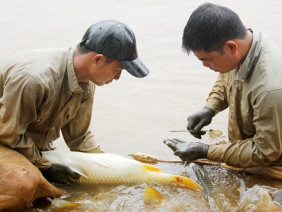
point(117, 76)
point(205, 64)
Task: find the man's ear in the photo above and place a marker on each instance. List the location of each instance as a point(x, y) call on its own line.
point(232, 46)
point(97, 58)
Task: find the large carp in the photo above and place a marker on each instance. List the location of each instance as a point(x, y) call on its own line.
point(108, 168)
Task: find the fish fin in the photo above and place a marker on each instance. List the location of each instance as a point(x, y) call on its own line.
point(187, 182)
point(104, 165)
point(151, 168)
point(79, 169)
point(152, 196)
point(83, 172)
point(63, 205)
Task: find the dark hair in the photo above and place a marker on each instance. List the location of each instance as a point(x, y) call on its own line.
point(84, 49)
point(209, 27)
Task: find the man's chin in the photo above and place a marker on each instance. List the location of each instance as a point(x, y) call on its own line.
point(104, 83)
point(221, 71)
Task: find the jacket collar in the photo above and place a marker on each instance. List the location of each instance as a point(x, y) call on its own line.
point(73, 84)
point(252, 56)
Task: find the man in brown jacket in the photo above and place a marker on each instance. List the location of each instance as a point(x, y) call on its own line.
point(249, 84)
point(45, 91)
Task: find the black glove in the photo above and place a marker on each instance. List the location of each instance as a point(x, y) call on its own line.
point(60, 174)
point(198, 120)
point(187, 151)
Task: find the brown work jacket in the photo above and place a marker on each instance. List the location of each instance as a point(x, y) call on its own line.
point(39, 97)
point(253, 94)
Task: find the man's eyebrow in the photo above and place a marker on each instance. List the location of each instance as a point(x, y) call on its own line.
point(202, 59)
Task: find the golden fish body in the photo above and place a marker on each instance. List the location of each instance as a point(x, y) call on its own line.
point(108, 168)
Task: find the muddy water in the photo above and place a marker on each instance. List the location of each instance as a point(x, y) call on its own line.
point(135, 115)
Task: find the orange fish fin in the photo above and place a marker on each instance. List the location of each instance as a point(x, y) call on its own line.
point(151, 168)
point(187, 182)
point(152, 196)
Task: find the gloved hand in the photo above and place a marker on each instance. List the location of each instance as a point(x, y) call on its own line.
point(198, 120)
point(60, 174)
point(187, 151)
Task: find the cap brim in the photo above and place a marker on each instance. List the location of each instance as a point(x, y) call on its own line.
point(135, 68)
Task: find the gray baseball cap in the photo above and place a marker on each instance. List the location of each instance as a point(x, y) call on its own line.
point(116, 40)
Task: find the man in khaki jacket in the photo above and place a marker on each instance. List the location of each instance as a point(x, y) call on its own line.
point(45, 91)
point(249, 84)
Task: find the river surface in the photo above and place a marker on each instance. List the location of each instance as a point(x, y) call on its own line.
point(136, 115)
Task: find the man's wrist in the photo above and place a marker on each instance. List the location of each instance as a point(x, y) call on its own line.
point(205, 149)
point(209, 111)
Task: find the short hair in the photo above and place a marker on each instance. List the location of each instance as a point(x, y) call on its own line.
point(209, 27)
point(83, 49)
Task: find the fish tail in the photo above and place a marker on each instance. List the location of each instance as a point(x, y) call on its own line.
point(158, 176)
point(186, 182)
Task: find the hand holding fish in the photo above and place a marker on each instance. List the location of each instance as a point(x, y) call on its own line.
point(60, 174)
point(187, 151)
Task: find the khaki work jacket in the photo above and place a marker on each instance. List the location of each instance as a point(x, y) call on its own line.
point(39, 97)
point(253, 94)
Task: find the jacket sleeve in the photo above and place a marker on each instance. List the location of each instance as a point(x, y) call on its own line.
point(76, 133)
point(266, 146)
point(217, 99)
point(21, 96)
